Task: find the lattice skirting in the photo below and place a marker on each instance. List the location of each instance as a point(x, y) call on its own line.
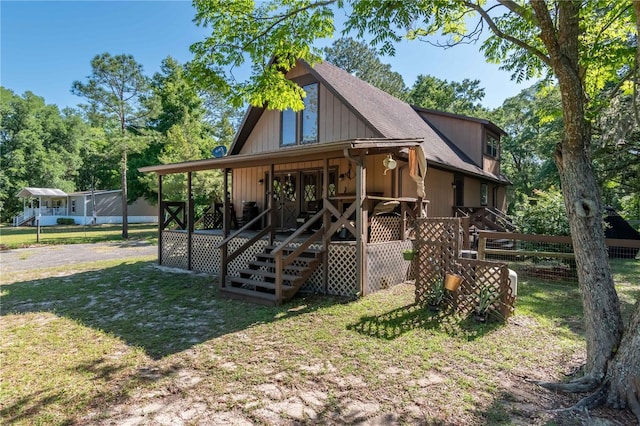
point(205, 257)
point(174, 249)
point(385, 264)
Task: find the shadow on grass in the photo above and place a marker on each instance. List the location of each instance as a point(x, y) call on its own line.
point(397, 322)
point(162, 313)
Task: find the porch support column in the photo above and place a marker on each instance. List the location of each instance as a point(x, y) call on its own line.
point(190, 221)
point(326, 224)
point(361, 223)
point(160, 219)
point(271, 205)
point(226, 220)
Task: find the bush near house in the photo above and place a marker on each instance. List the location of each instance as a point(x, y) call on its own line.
point(65, 221)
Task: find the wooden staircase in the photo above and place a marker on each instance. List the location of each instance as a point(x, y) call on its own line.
point(257, 282)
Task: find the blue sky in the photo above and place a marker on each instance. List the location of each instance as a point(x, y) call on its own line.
point(46, 45)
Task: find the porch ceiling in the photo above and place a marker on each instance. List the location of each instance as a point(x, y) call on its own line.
point(286, 155)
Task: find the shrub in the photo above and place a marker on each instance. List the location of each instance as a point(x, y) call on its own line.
point(543, 214)
point(65, 221)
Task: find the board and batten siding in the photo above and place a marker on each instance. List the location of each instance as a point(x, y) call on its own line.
point(466, 135)
point(439, 192)
point(491, 164)
point(336, 122)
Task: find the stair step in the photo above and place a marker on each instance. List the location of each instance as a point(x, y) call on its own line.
point(268, 299)
point(267, 274)
point(308, 250)
point(259, 264)
point(269, 256)
point(261, 284)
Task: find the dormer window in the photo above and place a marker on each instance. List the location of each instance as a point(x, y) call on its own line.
point(302, 126)
point(492, 145)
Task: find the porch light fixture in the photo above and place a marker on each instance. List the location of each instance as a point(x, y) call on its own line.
point(261, 181)
point(389, 164)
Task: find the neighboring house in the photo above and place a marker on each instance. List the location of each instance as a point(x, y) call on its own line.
point(47, 205)
point(327, 195)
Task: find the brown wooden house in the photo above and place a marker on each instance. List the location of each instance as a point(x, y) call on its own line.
point(326, 196)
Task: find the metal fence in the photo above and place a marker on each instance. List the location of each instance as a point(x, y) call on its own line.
point(543, 256)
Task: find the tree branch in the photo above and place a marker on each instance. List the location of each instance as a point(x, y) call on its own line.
point(283, 17)
point(499, 33)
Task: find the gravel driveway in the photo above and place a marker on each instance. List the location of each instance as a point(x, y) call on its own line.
point(69, 254)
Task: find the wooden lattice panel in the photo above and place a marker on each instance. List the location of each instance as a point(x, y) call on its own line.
point(384, 228)
point(437, 243)
point(385, 264)
point(174, 249)
point(205, 257)
point(479, 275)
point(342, 270)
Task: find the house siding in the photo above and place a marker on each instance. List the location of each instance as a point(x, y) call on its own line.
point(491, 164)
point(439, 192)
point(468, 136)
point(336, 122)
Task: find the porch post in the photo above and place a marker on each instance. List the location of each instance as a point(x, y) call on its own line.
point(226, 218)
point(361, 223)
point(160, 219)
point(190, 221)
point(272, 205)
point(326, 224)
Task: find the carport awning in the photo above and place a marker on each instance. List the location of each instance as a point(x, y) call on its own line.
point(41, 192)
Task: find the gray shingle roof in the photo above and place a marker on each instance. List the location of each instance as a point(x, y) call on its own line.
point(393, 118)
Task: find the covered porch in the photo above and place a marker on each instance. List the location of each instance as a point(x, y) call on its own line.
point(346, 243)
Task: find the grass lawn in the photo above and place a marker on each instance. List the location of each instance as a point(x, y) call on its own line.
point(25, 236)
point(123, 342)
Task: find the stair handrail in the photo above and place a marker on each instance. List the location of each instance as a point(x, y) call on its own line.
point(504, 218)
point(244, 228)
point(281, 262)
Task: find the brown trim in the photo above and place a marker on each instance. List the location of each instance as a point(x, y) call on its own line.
point(307, 152)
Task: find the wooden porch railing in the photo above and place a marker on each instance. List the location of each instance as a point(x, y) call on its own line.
point(224, 244)
point(283, 261)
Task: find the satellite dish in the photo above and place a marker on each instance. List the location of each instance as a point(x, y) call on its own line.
point(219, 151)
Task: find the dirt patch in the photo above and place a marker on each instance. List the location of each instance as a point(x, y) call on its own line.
point(42, 257)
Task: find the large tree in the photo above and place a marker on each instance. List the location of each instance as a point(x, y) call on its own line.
point(533, 122)
point(463, 97)
point(39, 146)
point(584, 45)
point(115, 89)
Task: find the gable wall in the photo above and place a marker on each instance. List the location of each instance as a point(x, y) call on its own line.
point(466, 135)
point(336, 122)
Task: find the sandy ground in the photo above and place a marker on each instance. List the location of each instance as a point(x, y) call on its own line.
point(50, 256)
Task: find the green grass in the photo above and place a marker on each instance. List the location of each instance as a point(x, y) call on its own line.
point(11, 237)
point(115, 339)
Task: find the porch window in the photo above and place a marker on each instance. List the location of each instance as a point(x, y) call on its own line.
point(301, 127)
point(484, 194)
point(491, 146)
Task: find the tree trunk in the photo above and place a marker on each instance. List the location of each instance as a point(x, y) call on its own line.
point(603, 322)
point(623, 375)
point(125, 210)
